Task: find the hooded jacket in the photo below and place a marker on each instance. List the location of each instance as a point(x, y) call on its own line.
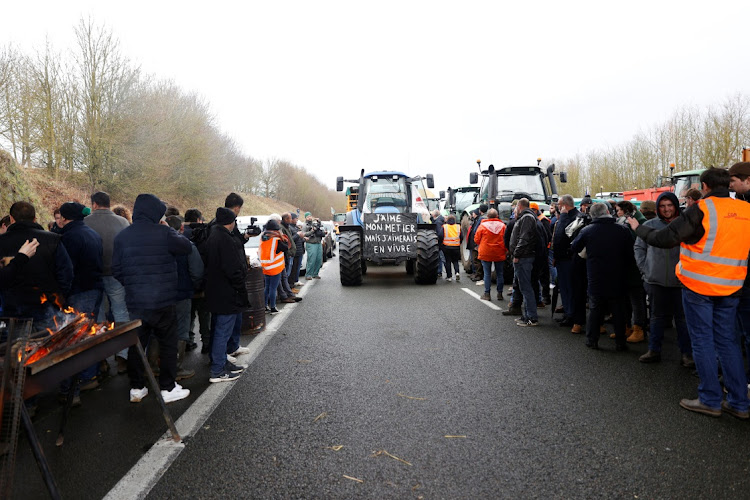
point(658, 264)
point(490, 238)
point(143, 257)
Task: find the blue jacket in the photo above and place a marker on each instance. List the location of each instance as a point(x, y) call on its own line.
point(143, 259)
point(560, 240)
point(85, 248)
point(189, 273)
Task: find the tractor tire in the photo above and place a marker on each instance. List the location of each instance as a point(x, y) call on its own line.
point(428, 257)
point(410, 267)
point(350, 258)
point(464, 251)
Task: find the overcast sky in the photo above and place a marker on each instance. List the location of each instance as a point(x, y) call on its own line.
point(424, 87)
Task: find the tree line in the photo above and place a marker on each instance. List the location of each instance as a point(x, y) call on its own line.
point(692, 138)
point(91, 115)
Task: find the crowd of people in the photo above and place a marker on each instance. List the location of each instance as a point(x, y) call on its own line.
point(642, 269)
point(168, 271)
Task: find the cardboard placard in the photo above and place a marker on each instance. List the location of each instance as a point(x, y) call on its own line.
point(388, 236)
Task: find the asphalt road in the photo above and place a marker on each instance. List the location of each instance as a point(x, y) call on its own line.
point(393, 390)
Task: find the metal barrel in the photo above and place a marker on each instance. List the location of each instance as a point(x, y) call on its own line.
point(254, 319)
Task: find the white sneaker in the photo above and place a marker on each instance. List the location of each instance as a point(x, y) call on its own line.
point(448, 279)
point(137, 394)
point(240, 351)
point(480, 283)
point(175, 394)
point(231, 359)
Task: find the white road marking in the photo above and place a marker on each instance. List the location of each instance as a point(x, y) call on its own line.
point(479, 298)
point(144, 475)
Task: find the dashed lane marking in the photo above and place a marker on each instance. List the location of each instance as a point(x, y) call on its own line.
point(479, 298)
point(144, 475)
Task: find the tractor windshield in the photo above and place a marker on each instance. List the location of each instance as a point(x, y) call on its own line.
point(386, 195)
point(684, 183)
point(529, 184)
point(463, 200)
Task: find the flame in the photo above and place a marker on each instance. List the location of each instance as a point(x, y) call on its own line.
point(69, 310)
point(58, 301)
point(57, 326)
point(111, 326)
point(50, 331)
point(93, 330)
point(42, 299)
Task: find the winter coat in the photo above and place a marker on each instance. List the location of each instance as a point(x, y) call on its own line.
point(48, 272)
point(143, 258)
point(289, 231)
point(9, 272)
point(657, 265)
point(225, 273)
point(470, 243)
point(84, 246)
point(107, 225)
point(490, 238)
point(299, 240)
point(314, 236)
point(609, 256)
point(524, 238)
point(560, 240)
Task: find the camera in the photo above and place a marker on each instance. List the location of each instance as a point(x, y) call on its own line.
point(252, 229)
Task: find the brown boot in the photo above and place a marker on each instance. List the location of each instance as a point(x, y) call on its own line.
point(636, 336)
point(577, 329)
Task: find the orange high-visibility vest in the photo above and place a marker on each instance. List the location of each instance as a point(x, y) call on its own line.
point(272, 262)
point(716, 266)
point(451, 235)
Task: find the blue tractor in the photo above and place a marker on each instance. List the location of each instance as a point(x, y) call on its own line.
point(389, 225)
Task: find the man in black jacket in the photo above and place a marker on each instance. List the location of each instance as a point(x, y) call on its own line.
point(609, 256)
point(48, 273)
point(739, 182)
point(226, 296)
point(143, 260)
point(562, 258)
point(478, 273)
point(523, 246)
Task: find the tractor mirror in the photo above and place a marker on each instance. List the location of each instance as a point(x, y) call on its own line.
point(563, 177)
point(473, 178)
point(339, 183)
point(430, 181)
point(442, 195)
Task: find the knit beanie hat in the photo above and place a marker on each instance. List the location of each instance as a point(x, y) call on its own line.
point(225, 216)
point(72, 210)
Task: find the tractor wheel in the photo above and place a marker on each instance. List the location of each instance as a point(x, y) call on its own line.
point(465, 252)
point(410, 267)
point(350, 258)
point(428, 257)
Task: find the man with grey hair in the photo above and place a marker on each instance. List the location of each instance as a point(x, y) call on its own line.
point(562, 258)
point(609, 255)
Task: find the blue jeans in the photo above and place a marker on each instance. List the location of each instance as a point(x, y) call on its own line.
point(314, 259)
point(488, 275)
point(565, 285)
point(743, 321)
point(225, 339)
point(711, 322)
point(665, 304)
point(523, 269)
point(115, 293)
point(272, 282)
point(552, 269)
point(441, 261)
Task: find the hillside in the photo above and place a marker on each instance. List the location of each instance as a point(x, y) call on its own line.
point(47, 194)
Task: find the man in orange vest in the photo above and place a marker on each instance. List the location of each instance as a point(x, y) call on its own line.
point(273, 244)
point(714, 239)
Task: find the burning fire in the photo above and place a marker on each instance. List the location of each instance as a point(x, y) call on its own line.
point(73, 327)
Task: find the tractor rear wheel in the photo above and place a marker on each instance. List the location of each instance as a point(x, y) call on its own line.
point(428, 257)
point(350, 258)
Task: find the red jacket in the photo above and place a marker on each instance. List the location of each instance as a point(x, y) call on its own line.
point(490, 238)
